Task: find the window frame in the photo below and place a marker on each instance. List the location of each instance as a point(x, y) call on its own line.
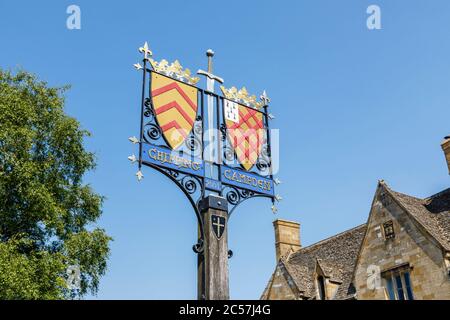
point(388, 225)
point(321, 287)
point(395, 277)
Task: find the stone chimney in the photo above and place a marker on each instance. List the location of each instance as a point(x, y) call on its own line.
point(287, 237)
point(446, 147)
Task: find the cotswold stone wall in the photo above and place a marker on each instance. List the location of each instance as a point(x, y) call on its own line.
point(411, 246)
point(279, 288)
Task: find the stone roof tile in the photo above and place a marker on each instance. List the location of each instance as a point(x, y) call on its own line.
point(433, 213)
point(337, 255)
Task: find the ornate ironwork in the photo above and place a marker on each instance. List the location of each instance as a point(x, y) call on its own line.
point(229, 154)
point(148, 111)
point(192, 187)
point(236, 196)
point(199, 246)
point(223, 131)
point(151, 132)
point(192, 183)
point(264, 163)
point(194, 141)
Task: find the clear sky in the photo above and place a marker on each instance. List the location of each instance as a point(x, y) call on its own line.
point(353, 106)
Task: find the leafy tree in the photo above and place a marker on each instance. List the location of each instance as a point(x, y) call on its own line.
point(46, 212)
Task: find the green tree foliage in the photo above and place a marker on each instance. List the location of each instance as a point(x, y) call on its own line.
point(46, 212)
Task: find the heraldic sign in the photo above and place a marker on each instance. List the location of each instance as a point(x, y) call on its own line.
point(207, 143)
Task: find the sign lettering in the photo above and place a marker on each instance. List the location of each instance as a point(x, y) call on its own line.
point(247, 180)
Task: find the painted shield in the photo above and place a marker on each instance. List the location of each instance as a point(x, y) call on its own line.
point(175, 105)
point(245, 132)
point(218, 225)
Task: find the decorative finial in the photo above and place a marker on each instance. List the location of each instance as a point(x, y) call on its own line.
point(210, 54)
point(274, 209)
point(278, 198)
point(264, 98)
point(209, 73)
point(133, 140)
point(132, 158)
point(277, 181)
point(137, 66)
point(145, 50)
point(139, 175)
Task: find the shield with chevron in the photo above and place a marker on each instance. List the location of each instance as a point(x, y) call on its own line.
point(245, 132)
point(175, 105)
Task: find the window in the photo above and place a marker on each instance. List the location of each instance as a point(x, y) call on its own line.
point(321, 287)
point(388, 228)
point(398, 284)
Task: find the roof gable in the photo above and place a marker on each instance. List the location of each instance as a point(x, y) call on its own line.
point(281, 280)
point(432, 213)
point(335, 256)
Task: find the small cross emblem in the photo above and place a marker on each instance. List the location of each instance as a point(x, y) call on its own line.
point(218, 225)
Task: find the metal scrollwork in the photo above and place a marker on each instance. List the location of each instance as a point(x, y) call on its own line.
point(223, 131)
point(148, 110)
point(198, 126)
point(198, 247)
point(265, 151)
point(235, 196)
point(228, 153)
point(263, 163)
point(189, 184)
point(151, 132)
point(192, 187)
point(194, 141)
point(246, 194)
point(151, 129)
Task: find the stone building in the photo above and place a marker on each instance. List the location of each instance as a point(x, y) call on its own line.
point(401, 253)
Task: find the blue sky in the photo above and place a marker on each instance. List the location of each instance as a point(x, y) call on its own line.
point(353, 106)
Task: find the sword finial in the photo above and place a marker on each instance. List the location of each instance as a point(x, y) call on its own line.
point(210, 54)
point(209, 74)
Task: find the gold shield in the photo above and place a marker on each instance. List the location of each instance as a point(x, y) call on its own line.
point(175, 105)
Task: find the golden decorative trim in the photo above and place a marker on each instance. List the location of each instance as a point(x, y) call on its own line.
point(242, 96)
point(174, 70)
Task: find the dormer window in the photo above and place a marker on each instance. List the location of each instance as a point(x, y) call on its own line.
point(388, 228)
point(321, 287)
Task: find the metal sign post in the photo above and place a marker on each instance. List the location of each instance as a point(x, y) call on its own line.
point(217, 171)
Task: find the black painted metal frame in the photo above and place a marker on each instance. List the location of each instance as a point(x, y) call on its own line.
point(194, 186)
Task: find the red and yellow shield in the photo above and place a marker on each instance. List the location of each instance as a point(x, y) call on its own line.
point(245, 131)
point(175, 105)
